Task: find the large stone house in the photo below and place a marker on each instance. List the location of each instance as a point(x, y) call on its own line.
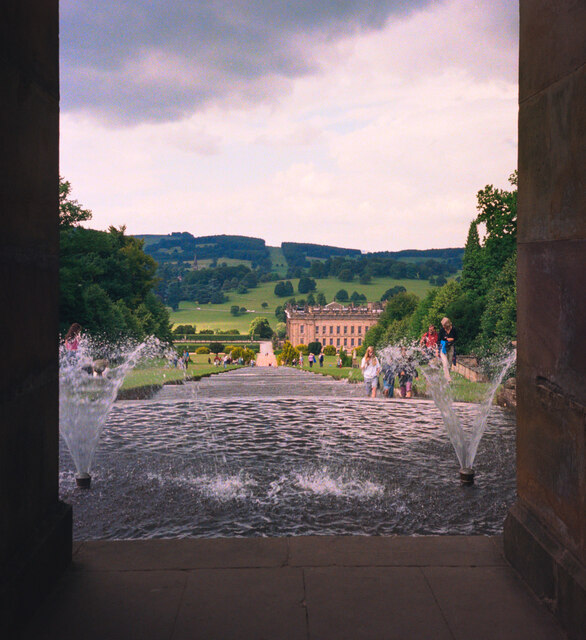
point(336, 325)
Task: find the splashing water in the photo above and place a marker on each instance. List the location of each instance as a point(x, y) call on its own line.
point(89, 380)
point(464, 441)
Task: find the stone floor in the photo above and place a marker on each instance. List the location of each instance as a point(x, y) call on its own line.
point(316, 588)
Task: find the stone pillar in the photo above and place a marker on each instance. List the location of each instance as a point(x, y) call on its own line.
point(545, 532)
point(35, 528)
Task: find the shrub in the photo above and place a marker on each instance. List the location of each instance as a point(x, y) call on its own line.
point(184, 330)
point(345, 358)
point(302, 348)
point(216, 347)
point(202, 350)
point(230, 347)
point(330, 350)
point(236, 352)
point(207, 332)
point(314, 347)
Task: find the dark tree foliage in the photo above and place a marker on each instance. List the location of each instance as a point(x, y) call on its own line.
point(314, 347)
point(306, 284)
point(393, 291)
point(216, 347)
point(106, 284)
point(284, 289)
point(71, 213)
point(280, 314)
point(342, 295)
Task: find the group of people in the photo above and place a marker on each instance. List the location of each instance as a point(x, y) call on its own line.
point(311, 359)
point(403, 369)
point(436, 345)
point(441, 345)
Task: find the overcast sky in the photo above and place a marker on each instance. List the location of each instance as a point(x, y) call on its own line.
point(368, 125)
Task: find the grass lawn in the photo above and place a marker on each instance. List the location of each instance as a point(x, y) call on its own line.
point(160, 373)
point(218, 316)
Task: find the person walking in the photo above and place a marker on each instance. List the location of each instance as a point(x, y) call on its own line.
point(321, 359)
point(406, 371)
point(370, 369)
point(447, 346)
point(311, 359)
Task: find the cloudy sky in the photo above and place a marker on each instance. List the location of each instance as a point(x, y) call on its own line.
point(369, 125)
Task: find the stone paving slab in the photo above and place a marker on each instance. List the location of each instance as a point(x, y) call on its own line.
point(489, 602)
point(315, 588)
point(186, 553)
point(396, 551)
point(356, 603)
point(243, 604)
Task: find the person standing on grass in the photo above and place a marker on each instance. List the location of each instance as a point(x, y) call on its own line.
point(310, 359)
point(447, 346)
point(370, 369)
point(321, 359)
point(407, 371)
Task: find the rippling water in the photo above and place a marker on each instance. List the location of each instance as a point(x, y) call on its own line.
point(272, 453)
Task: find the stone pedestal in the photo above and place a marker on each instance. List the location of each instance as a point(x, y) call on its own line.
point(545, 533)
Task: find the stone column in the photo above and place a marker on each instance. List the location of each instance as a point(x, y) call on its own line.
point(545, 532)
point(35, 528)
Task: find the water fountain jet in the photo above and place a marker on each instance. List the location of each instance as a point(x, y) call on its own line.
point(88, 387)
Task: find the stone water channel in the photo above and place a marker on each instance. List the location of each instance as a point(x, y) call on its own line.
point(275, 452)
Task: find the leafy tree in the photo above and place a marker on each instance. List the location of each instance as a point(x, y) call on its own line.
point(497, 209)
point(306, 284)
point(314, 347)
point(280, 314)
point(393, 291)
point(342, 295)
point(216, 347)
point(184, 329)
point(260, 327)
point(498, 325)
point(329, 350)
point(284, 289)
point(235, 310)
point(288, 353)
point(346, 275)
point(345, 358)
point(365, 278)
point(71, 213)
point(281, 330)
point(311, 300)
point(473, 267)
point(264, 305)
point(321, 299)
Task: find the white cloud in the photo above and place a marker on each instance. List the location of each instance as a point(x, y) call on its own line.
point(384, 148)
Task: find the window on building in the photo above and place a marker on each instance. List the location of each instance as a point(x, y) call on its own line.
point(331, 341)
point(352, 329)
point(359, 341)
point(338, 329)
point(331, 329)
point(345, 341)
point(351, 342)
point(359, 328)
point(338, 342)
point(345, 329)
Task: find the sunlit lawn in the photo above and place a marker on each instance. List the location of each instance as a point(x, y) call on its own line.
point(218, 316)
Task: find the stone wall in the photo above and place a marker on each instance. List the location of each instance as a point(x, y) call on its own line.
point(35, 529)
point(545, 533)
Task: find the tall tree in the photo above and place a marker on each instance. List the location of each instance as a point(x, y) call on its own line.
point(71, 213)
point(473, 265)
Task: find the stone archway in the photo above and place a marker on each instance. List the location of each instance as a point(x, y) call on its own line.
point(545, 533)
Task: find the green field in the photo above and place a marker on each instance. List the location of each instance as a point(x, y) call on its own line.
point(279, 261)
point(218, 316)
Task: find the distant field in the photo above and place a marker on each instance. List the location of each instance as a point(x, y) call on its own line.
point(231, 262)
point(278, 260)
point(218, 316)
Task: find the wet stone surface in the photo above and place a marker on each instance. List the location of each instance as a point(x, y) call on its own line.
point(274, 452)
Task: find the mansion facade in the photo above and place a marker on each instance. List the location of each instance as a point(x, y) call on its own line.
point(336, 325)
